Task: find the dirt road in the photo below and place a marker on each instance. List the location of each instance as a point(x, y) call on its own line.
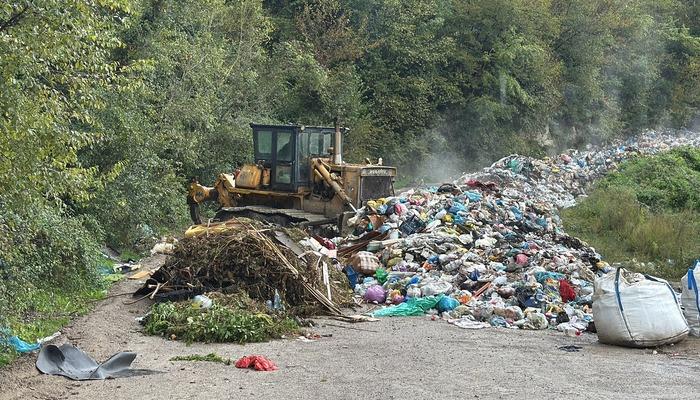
point(395, 358)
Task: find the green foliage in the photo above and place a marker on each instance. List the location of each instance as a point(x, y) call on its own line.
point(668, 181)
point(211, 357)
point(220, 323)
point(39, 312)
point(648, 211)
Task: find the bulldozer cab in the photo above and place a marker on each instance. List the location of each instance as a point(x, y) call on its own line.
point(287, 150)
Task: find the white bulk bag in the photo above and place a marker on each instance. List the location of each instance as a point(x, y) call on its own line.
point(641, 314)
point(691, 299)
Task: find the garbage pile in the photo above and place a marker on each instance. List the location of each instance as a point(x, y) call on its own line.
point(489, 249)
point(242, 256)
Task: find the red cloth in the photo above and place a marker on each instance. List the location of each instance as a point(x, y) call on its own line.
point(258, 363)
point(566, 291)
point(325, 242)
point(481, 185)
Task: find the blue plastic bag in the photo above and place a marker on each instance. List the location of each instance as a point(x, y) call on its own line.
point(447, 304)
point(516, 211)
point(456, 207)
point(542, 276)
point(16, 343)
point(473, 196)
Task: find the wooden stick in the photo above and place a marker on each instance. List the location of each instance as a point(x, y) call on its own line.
point(137, 300)
point(481, 290)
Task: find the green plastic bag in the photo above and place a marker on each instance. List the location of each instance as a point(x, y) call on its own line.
point(380, 274)
point(415, 306)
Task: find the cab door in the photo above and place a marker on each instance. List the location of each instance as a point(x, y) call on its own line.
point(284, 151)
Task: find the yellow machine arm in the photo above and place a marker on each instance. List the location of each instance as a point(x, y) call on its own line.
point(221, 193)
point(323, 172)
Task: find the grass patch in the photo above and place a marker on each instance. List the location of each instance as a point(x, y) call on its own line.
point(39, 312)
point(228, 320)
point(127, 255)
point(42, 312)
point(211, 357)
point(647, 211)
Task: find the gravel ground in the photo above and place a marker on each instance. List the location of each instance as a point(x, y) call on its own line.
point(395, 358)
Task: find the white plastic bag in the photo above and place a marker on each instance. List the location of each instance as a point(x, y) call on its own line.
point(691, 299)
point(640, 314)
point(436, 288)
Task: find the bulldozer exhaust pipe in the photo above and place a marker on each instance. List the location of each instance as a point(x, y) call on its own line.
point(338, 145)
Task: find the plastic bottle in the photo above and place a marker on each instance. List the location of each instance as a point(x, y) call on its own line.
point(440, 214)
point(277, 302)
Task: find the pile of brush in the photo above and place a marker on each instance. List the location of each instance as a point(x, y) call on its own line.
point(245, 257)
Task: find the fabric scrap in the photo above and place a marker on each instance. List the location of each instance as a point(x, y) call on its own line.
point(258, 363)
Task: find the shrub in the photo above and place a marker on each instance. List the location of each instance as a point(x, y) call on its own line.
point(639, 213)
point(220, 323)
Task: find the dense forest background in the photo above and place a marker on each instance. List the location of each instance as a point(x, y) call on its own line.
point(108, 107)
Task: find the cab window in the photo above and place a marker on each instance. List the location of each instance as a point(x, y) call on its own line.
point(264, 144)
point(285, 151)
point(316, 143)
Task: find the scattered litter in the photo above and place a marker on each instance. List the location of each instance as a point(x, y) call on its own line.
point(49, 338)
point(164, 247)
point(124, 268)
point(71, 362)
point(142, 274)
point(572, 348)
point(258, 363)
point(202, 302)
point(467, 323)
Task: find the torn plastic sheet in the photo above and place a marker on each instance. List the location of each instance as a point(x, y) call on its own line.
point(71, 362)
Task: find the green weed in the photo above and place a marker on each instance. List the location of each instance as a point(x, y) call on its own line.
point(211, 357)
point(220, 323)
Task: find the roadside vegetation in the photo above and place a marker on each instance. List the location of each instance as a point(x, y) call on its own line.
point(108, 108)
point(648, 210)
point(234, 319)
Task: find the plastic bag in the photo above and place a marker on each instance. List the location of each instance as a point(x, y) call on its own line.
point(533, 321)
point(414, 306)
point(435, 288)
point(381, 275)
point(19, 345)
point(258, 363)
point(447, 304)
point(375, 293)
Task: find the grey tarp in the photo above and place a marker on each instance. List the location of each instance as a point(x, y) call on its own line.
point(73, 363)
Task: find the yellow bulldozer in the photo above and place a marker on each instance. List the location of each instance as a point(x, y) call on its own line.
point(298, 177)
